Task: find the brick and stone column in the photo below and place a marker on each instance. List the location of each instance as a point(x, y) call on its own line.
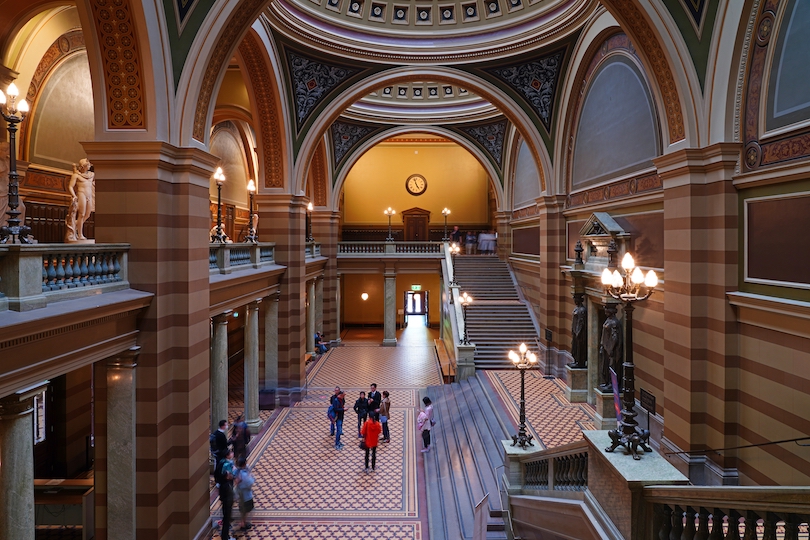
point(219, 370)
point(325, 228)
point(311, 316)
point(390, 325)
point(121, 446)
point(155, 196)
point(271, 342)
point(251, 363)
point(319, 305)
point(17, 466)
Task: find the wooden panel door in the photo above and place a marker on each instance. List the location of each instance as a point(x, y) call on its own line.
point(416, 228)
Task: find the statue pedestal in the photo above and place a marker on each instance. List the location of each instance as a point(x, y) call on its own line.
point(86, 241)
point(576, 389)
point(605, 410)
point(619, 490)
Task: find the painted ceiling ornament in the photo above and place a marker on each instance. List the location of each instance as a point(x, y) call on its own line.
point(695, 9)
point(490, 136)
point(346, 136)
point(536, 81)
point(312, 81)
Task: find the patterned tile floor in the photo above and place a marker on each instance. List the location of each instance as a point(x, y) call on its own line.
point(305, 489)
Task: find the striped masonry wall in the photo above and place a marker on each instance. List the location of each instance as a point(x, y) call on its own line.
point(700, 267)
point(325, 231)
point(283, 219)
point(155, 197)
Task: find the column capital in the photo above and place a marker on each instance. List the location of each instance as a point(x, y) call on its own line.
point(255, 303)
point(125, 360)
point(222, 318)
point(20, 402)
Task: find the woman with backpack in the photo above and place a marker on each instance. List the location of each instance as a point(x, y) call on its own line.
point(243, 483)
point(424, 422)
point(371, 437)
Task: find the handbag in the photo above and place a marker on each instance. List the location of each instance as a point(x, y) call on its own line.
point(363, 445)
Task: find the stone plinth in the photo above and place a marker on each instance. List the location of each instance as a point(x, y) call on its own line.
point(465, 366)
point(616, 481)
point(605, 410)
point(576, 388)
point(512, 466)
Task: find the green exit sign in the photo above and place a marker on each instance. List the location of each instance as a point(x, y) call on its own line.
point(416, 287)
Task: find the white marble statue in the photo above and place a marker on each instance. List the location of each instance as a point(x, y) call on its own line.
point(82, 189)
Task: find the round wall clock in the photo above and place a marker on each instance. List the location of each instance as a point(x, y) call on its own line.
point(416, 184)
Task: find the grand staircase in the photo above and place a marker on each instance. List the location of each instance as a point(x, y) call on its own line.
point(497, 320)
point(465, 460)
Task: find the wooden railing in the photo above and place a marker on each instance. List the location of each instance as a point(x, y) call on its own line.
point(391, 248)
point(730, 513)
point(33, 275)
point(225, 258)
point(564, 468)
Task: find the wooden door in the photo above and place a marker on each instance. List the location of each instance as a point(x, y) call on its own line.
point(416, 228)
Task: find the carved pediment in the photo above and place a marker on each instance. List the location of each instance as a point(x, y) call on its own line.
point(601, 224)
point(416, 211)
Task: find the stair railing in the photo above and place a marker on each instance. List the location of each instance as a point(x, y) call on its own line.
point(554, 471)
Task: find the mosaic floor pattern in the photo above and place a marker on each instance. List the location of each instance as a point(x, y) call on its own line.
point(306, 489)
point(549, 415)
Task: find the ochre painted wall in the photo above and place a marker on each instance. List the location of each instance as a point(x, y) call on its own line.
point(455, 179)
point(356, 311)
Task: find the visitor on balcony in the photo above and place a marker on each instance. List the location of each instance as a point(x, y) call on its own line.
point(470, 242)
point(456, 235)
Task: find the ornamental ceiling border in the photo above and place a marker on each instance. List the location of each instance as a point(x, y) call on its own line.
point(264, 92)
point(237, 26)
point(346, 135)
point(608, 42)
point(631, 19)
point(121, 57)
point(791, 146)
point(293, 29)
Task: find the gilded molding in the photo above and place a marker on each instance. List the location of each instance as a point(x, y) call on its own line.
point(65, 45)
point(266, 96)
point(121, 57)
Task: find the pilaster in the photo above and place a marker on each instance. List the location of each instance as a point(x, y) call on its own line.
point(311, 316)
point(319, 305)
point(325, 229)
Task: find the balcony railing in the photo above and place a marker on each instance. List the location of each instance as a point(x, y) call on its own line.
point(32, 276)
point(225, 258)
point(312, 250)
point(433, 249)
point(564, 468)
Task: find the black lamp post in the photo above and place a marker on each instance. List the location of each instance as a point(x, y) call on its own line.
point(13, 113)
point(309, 223)
point(465, 300)
point(389, 212)
point(523, 361)
point(445, 213)
point(633, 287)
point(251, 236)
point(219, 177)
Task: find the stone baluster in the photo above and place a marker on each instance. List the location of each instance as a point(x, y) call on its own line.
point(689, 529)
point(677, 524)
point(733, 525)
point(702, 532)
point(769, 526)
point(666, 522)
point(717, 525)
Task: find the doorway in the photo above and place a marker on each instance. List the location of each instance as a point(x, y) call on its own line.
point(416, 223)
point(417, 307)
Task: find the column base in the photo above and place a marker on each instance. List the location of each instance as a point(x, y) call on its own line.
point(255, 425)
point(576, 388)
point(605, 410)
point(392, 342)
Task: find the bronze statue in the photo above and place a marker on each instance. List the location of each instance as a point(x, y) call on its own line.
point(611, 349)
point(579, 333)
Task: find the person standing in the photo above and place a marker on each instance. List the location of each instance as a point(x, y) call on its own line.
point(340, 409)
point(456, 235)
point(374, 399)
point(385, 409)
point(223, 474)
point(470, 242)
point(240, 438)
point(244, 480)
point(424, 423)
point(330, 413)
point(371, 436)
point(361, 408)
point(220, 446)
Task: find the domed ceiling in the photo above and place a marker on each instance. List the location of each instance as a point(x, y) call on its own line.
point(421, 103)
point(429, 30)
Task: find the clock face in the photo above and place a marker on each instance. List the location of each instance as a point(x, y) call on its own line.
point(416, 184)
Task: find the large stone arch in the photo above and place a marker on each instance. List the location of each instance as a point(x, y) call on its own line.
point(497, 97)
point(402, 130)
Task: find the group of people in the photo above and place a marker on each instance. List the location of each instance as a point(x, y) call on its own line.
point(372, 411)
point(232, 475)
point(484, 243)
